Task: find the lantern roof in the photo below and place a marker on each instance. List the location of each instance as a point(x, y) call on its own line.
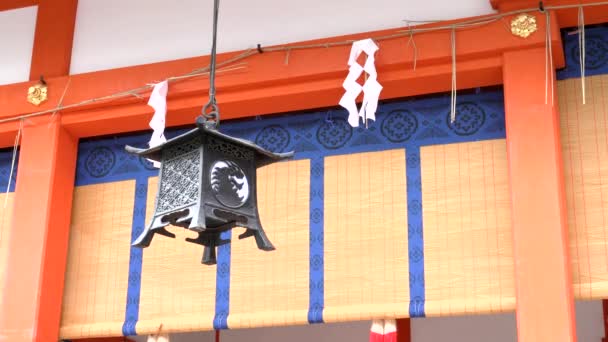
point(155, 153)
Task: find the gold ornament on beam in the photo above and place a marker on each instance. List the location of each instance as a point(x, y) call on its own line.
point(523, 25)
point(37, 93)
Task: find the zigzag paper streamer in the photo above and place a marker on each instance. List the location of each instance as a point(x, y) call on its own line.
point(371, 88)
point(158, 101)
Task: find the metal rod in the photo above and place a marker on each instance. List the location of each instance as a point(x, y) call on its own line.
point(213, 52)
point(211, 111)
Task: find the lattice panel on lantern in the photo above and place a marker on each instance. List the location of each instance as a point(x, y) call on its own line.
point(6, 212)
point(176, 290)
point(584, 135)
point(467, 229)
point(366, 245)
point(97, 275)
point(271, 288)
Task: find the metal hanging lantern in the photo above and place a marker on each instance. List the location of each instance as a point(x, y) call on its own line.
point(207, 180)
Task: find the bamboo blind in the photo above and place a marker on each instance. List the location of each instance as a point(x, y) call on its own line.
point(176, 290)
point(366, 249)
point(467, 229)
point(271, 288)
point(5, 223)
point(97, 272)
point(584, 136)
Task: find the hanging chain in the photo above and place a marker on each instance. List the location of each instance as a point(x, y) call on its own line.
point(211, 112)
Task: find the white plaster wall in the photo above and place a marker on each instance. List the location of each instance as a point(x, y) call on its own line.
point(116, 33)
point(16, 43)
point(485, 328)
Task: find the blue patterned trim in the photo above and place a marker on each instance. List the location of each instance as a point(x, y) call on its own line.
point(105, 160)
point(135, 257)
point(414, 232)
point(6, 159)
point(400, 124)
point(596, 53)
point(316, 285)
point(222, 283)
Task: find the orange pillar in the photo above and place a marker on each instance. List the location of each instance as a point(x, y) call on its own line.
point(545, 308)
point(38, 239)
point(52, 51)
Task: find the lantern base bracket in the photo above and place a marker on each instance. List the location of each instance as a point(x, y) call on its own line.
point(261, 239)
point(211, 239)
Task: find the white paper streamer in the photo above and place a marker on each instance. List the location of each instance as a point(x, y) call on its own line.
point(371, 88)
point(158, 101)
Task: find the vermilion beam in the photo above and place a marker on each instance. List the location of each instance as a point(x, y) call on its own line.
point(52, 50)
point(37, 248)
point(6, 5)
point(305, 95)
point(543, 283)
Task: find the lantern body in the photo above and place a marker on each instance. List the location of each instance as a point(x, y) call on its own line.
point(207, 183)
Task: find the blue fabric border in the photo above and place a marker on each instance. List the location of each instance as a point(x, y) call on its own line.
point(222, 283)
point(6, 159)
point(135, 257)
point(596, 52)
point(316, 285)
point(409, 124)
point(414, 231)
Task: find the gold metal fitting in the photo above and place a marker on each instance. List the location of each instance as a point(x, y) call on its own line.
point(523, 25)
point(37, 94)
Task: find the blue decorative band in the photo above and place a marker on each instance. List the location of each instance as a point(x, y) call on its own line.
point(414, 232)
point(135, 258)
point(6, 160)
point(222, 283)
point(316, 282)
point(596, 52)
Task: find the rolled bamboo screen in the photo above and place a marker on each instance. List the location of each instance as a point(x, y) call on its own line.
point(467, 260)
point(97, 272)
point(271, 288)
point(366, 247)
point(467, 229)
point(584, 135)
point(5, 223)
point(176, 290)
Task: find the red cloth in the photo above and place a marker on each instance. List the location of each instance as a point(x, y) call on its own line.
point(383, 331)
